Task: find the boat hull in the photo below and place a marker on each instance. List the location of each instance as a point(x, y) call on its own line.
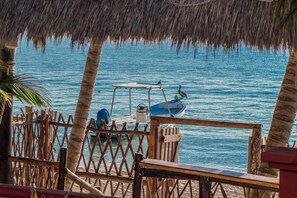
point(176, 107)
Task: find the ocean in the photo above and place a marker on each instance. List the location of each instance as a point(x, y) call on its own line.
point(239, 86)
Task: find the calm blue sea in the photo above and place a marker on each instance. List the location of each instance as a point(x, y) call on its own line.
point(240, 86)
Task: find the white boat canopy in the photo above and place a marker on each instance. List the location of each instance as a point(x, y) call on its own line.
point(138, 86)
point(145, 86)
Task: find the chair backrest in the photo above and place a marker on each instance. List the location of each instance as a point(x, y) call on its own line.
point(169, 144)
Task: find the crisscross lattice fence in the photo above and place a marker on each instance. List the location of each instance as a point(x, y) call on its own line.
point(106, 161)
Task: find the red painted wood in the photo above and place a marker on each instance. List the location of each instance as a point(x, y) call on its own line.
point(281, 155)
point(284, 159)
point(10, 191)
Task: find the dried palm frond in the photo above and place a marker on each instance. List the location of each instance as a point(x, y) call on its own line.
point(212, 23)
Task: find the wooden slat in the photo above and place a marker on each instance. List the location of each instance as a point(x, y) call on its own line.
point(224, 176)
point(34, 162)
point(83, 183)
point(170, 138)
point(195, 122)
point(115, 178)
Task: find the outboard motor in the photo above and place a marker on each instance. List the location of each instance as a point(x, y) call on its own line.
point(141, 113)
point(102, 114)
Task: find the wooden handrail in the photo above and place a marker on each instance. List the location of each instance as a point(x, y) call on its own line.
point(224, 176)
point(163, 169)
point(210, 123)
point(254, 139)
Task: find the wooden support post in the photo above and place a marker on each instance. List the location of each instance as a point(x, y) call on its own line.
point(137, 176)
point(255, 150)
point(7, 55)
point(204, 188)
point(62, 168)
point(154, 140)
point(153, 152)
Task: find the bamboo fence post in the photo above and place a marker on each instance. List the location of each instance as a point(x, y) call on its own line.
point(28, 146)
point(47, 137)
point(41, 155)
point(62, 168)
point(41, 135)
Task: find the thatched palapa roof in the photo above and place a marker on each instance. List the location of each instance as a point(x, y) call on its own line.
point(215, 23)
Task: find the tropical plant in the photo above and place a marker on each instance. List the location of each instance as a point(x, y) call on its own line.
point(21, 87)
point(24, 89)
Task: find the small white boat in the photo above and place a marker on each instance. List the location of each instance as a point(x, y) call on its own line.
point(173, 108)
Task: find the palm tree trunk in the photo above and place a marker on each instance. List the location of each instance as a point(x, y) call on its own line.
point(83, 106)
point(7, 55)
point(286, 107)
point(283, 116)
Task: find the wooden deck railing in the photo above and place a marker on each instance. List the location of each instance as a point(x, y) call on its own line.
point(254, 146)
point(206, 176)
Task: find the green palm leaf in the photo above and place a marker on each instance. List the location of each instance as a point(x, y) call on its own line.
point(21, 87)
point(25, 90)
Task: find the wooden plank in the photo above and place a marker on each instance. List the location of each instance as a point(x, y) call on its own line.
point(28, 143)
point(177, 144)
point(249, 159)
point(90, 128)
point(195, 122)
point(240, 179)
point(8, 190)
point(115, 178)
point(170, 138)
point(34, 162)
point(83, 183)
